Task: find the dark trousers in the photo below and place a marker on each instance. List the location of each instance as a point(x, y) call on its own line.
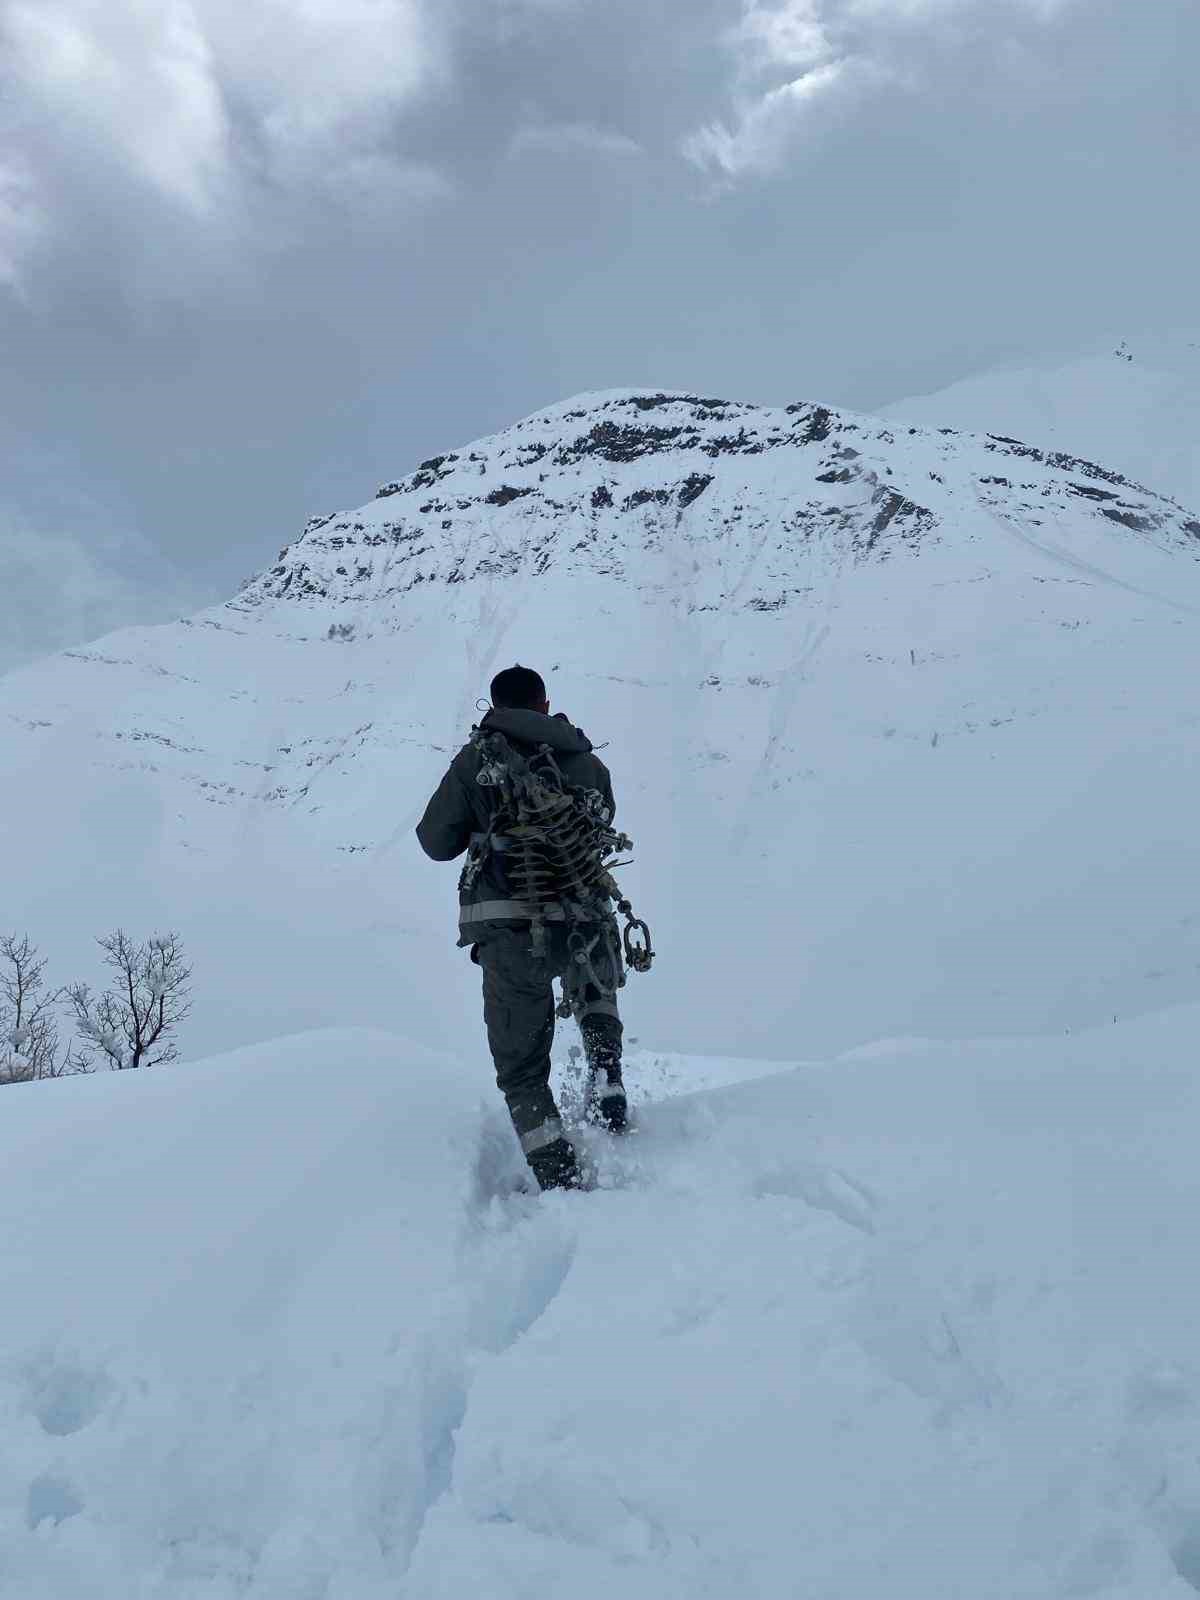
point(518, 1008)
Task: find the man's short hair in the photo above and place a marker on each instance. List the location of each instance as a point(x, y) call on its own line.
point(519, 689)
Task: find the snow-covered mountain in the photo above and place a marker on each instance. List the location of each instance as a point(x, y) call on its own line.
point(1133, 404)
point(904, 722)
point(901, 721)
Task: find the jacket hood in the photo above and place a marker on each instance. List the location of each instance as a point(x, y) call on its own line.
point(534, 728)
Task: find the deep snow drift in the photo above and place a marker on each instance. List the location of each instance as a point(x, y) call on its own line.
point(903, 724)
point(918, 1322)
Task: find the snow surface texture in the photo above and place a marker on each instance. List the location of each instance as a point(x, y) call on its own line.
point(902, 722)
point(921, 1322)
point(1135, 405)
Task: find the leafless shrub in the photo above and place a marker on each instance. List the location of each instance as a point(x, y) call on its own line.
point(133, 1022)
point(29, 1041)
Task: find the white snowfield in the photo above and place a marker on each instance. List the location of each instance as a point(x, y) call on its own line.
point(920, 1322)
point(905, 725)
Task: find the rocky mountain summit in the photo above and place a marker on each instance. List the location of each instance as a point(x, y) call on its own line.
point(597, 484)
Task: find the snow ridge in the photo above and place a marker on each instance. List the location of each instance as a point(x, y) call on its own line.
point(1133, 404)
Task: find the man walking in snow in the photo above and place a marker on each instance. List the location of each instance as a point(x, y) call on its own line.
point(520, 948)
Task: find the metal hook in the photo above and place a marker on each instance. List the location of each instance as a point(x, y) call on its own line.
point(639, 952)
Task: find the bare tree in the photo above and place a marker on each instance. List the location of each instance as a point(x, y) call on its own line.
point(133, 1023)
point(29, 1043)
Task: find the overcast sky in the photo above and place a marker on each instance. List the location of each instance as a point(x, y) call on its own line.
point(257, 256)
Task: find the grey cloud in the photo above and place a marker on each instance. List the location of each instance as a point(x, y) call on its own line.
point(767, 125)
point(68, 590)
point(204, 118)
point(798, 66)
point(20, 221)
point(570, 138)
point(367, 255)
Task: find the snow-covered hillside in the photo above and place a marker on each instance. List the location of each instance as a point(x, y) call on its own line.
point(917, 1323)
point(903, 724)
point(1134, 404)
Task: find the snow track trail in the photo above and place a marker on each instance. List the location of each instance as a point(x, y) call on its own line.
point(920, 1321)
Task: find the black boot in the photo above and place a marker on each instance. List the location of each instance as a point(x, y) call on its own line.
point(606, 1091)
point(554, 1165)
point(607, 1096)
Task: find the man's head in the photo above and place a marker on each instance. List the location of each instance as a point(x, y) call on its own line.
point(519, 689)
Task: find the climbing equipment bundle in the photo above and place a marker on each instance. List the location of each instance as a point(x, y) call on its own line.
point(554, 849)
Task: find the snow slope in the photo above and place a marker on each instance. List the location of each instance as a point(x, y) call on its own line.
point(917, 1322)
point(903, 723)
point(1135, 405)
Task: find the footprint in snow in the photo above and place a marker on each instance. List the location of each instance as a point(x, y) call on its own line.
point(51, 1499)
point(65, 1397)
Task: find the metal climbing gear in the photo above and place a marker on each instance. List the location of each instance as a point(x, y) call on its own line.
point(594, 970)
point(639, 950)
point(555, 850)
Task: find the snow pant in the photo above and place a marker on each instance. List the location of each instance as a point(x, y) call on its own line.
point(519, 1009)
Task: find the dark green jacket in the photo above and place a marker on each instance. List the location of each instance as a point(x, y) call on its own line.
point(461, 807)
